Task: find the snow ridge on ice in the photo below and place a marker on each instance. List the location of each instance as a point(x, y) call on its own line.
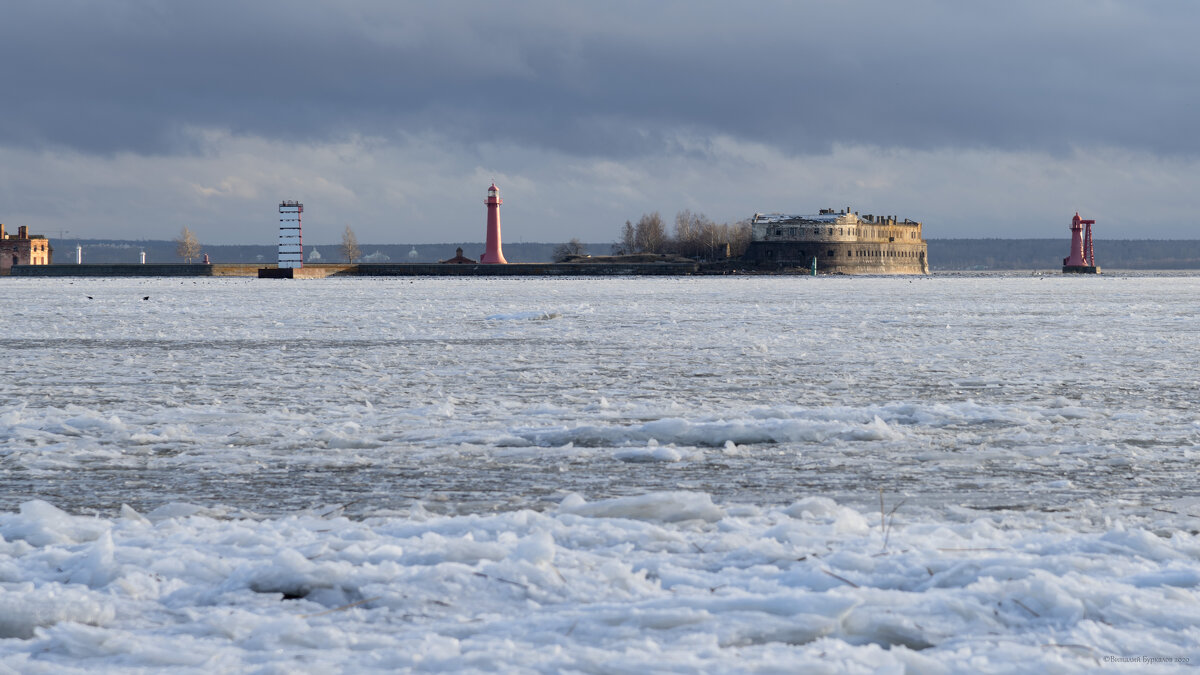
point(633, 583)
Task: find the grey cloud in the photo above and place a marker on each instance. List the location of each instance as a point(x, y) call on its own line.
point(615, 79)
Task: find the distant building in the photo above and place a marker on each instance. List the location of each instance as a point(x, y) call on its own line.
point(840, 242)
point(23, 249)
point(458, 259)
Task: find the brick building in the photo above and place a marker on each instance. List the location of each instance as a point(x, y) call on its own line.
point(23, 249)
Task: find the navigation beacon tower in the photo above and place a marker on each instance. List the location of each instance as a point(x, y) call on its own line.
point(291, 243)
point(1083, 258)
point(492, 253)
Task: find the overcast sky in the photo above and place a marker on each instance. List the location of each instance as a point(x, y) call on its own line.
point(135, 118)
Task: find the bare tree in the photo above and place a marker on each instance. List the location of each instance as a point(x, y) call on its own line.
point(567, 250)
point(696, 234)
point(628, 243)
point(686, 233)
point(350, 247)
point(649, 235)
point(187, 246)
point(739, 237)
point(713, 239)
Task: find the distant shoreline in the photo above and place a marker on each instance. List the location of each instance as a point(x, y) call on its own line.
point(944, 254)
point(511, 270)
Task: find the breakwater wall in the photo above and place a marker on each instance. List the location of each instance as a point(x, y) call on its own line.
point(318, 271)
point(115, 270)
point(526, 269)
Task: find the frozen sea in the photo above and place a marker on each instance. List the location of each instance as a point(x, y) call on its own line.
point(957, 473)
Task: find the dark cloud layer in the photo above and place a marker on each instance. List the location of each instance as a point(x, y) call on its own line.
point(616, 79)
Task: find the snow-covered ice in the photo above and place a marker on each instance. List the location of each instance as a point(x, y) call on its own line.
point(947, 474)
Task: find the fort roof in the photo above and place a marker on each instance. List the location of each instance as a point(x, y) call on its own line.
point(785, 218)
point(828, 216)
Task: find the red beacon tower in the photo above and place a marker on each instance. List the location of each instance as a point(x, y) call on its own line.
point(493, 252)
point(1083, 258)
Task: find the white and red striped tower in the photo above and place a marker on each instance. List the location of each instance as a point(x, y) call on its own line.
point(291, 243)
point(493, 253)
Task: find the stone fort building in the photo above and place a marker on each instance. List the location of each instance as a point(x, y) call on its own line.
point(23, 249)
point(842, 242)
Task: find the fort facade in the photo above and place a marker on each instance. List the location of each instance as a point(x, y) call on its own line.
point(23, 249)
point(841, 242)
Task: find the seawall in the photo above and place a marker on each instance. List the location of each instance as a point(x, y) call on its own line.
point(318, 271)
point(524, 269)
point(115, 270)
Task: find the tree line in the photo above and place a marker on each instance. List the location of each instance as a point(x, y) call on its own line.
point(695, 236)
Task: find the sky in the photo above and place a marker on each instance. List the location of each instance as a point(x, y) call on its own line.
point(133, 119)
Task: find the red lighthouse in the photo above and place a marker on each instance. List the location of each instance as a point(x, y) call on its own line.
point(493, 253)
point(1082, 259)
